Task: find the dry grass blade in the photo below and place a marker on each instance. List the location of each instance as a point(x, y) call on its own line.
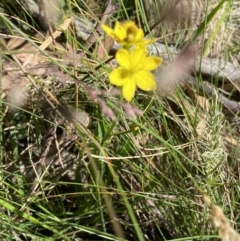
point(110, 169)
point(225, 231)
point(221, 223)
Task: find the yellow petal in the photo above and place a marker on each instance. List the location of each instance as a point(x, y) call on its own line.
point(129, 89)
point(131, 30)
point(152, 63)
point(123, 58)
point(138, 56)
point(108, 31)
point(149, 41)
point(119, 76)
point(129, 24)
point(119, 31)
point(139, 35)
point(145, 81)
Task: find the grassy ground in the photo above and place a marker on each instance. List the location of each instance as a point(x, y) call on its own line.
point(75, 162)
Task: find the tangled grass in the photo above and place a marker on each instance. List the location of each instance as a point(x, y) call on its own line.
point(79, 163)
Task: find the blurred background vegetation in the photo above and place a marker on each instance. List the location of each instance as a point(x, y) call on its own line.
point(75, 164)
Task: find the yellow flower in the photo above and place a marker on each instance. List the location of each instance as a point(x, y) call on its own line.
point(127, 34)
point(134, 71)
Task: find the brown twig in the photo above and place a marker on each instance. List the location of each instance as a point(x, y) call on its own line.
point(206, 88)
